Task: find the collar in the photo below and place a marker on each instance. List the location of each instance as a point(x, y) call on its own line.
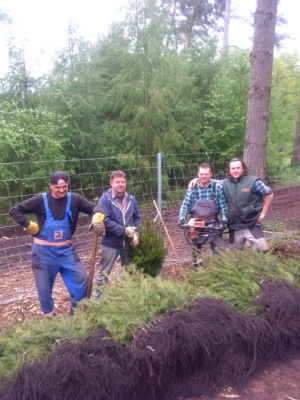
point(206, 187)
point(113, 196)
point(238, 179)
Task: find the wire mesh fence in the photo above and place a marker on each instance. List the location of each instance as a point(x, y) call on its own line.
point(90, 178)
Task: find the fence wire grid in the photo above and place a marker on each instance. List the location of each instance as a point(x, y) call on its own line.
point(149, 180)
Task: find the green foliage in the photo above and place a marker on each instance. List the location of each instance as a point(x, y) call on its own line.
point(283, 108)
point(33, 340)
point(200, 70)
point(236, 276)
point(134, 92)
point(29, 135)
point(136, 300)
point(281, 170)
point(150, 254)
point(225, 115)
point(192, 21)
point(275, 224)
point(277, 239)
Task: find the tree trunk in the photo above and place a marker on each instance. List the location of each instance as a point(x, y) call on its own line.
point(190, 27)
point(255, 146)
point(296, 150)
point(172, 24)
point(226, 26)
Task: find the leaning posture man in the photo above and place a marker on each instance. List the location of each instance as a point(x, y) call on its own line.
point(122, 222)
point(205, 201)
point(248, 200)
point(52, 251)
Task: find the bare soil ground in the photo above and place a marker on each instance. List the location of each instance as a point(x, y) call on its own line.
point(279, 382)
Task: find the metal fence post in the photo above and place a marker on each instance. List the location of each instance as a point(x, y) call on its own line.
point(159, 182)
point(159, 188)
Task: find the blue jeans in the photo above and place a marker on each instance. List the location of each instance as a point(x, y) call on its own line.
point(108, 258)
point(47, 262)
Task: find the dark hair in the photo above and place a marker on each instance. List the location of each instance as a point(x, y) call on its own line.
point(205, 166)
point(117, 174)
point(245, 168)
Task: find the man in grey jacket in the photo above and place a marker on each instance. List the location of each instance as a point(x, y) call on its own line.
point(122, 222)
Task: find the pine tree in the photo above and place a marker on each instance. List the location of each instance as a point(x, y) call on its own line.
point(149, 255)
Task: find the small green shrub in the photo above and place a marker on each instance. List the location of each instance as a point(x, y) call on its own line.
point(150, 254)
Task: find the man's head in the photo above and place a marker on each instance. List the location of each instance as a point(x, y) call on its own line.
point(59, 184)
point(204, 174)
point(236, 167)
point(118, 182)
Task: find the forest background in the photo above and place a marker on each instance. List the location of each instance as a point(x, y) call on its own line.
point(159, 81)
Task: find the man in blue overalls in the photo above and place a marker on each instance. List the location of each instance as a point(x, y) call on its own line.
point(53, 251)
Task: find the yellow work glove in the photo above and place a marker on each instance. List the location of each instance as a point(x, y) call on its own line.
point(33, 228)
point(97, 224)
point(129, 231)
point(135, 239)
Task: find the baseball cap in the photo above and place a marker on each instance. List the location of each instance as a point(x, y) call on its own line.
point(59, 178)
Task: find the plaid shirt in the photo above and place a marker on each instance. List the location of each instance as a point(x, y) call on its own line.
point(204, 194)
point(260, 188)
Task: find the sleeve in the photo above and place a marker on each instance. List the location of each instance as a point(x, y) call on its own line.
point(261, 188)
point(111, 224)
point(19, 211)
point(97, 209)
point(136, 215)
point(222, 205)
point(187, 204)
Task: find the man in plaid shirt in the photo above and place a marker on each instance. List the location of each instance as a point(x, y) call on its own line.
point(248, 200)
point(205, 201)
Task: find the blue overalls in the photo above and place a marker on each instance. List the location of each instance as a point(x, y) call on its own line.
point(55, 256)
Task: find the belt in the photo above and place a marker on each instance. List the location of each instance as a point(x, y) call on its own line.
point(46, 243)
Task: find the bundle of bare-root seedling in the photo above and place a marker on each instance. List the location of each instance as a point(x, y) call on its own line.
point(187, 353)
point(280, 303)
point(196, 352)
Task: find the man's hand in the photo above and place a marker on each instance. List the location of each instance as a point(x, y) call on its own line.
point(135, 240)
point(181, 222)
point(261, 217)
point(97, 224)
point(223, 224)
point(192, 183)
point(130, 231)
point(33, 228)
